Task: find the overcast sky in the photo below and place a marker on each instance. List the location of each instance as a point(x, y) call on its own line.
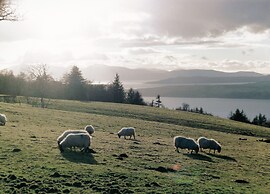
point(226, 35)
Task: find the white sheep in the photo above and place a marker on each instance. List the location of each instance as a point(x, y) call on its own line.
point(185, 143)
point(80, 140)
point(127, 131)
point(67, 132)
point(210, 144)
point(90, 129)
point(3, 119)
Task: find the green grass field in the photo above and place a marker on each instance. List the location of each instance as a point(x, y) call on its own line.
point(30, 161)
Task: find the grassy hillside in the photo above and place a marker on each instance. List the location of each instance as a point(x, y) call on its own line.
point(30, 161)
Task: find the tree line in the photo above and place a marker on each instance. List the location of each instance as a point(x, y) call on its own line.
point(242, 117)
point(186, 107)
point(37, 82)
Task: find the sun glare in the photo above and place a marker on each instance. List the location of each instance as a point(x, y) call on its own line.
point(69, 19)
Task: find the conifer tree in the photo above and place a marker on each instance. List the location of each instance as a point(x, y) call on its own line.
point(117, 90)
point(75, 84)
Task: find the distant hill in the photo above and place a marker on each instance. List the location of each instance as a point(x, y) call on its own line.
point(211, 73)
point(211, 80)
point(259, 90)
point(104, 73)
point(101, 72)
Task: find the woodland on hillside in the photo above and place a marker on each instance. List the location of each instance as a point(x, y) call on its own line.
point(73, 86)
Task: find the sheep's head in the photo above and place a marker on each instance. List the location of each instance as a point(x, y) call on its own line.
point(90, 129)
point(197, 149)
point(119, 135)
point(219, 148)
point(60, 148)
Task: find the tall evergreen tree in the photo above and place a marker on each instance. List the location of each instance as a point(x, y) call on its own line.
point(75, 84)
point(117, 90)
point(134, 97)
point(130, 96)
point(138, 99)
point(260, 120)
point(239, 116)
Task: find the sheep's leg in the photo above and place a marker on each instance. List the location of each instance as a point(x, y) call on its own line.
point(125, 137)
point(214, 151)
point(176, 149)
point(86, 149)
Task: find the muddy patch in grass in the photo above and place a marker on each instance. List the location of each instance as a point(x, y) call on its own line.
point(264, 140)
point(16, 150)
point(241, 181)
point(161, 169)
point(120, 156)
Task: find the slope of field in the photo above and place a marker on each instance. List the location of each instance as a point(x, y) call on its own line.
point(30, 161)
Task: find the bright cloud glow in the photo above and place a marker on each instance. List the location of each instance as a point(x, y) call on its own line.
point(164, 34)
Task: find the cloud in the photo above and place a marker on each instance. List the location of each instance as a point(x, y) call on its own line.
point(204, 58)
point(44, 56)
point(141, 51)
point(192, 18)
point(94, 56)
point(163, 20)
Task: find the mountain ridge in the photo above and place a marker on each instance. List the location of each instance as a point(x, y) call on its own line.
point(105, 73)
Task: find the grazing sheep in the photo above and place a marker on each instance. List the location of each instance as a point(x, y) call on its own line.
point(3, 119)
point(80, 140)
point(90, 129)
point(67, 132)
point(185, 143)
point(127, 131)
point(210, 144)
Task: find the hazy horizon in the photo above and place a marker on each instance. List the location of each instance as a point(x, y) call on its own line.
point(224, 35)
point(105, 73)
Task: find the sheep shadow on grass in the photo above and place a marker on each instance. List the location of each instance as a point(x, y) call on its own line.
point(222, 157)
point(199, 157)
point(79, 157)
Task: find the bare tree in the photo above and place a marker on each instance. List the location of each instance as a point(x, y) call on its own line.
point(7, 12)
point(39, 71)
point(185, 106)
point(39, 74)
